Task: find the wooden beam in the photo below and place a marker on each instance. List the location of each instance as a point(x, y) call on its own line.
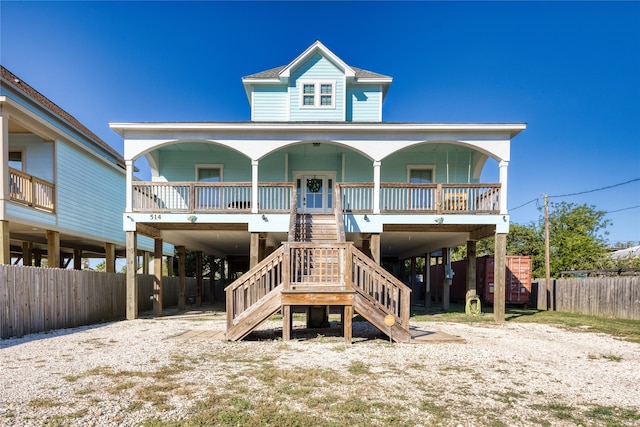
point(499, 277)
point(471, 269)
point(157, 278)
point(198, 278)
point(482, 232)
point(446, 289)
point(254, 250)
point(27, 253)
point(110, 257)
point(77, 259)
point(317, 298)
point(5, 242)
point(375, 247)
point(148, 230)
point(53, 249)
point(182, 277)
point(132, 277)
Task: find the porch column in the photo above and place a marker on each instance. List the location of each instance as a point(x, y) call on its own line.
point(77, 259)
point(182, 277)
point(157, 277)
point(504, 165)
point(129, 186)
point(499, 273)
point(471, 269)
point(110, 257)
point(53, 249)
point(5, 246)
point(376, 186)
point(254, 186)
point(27, 253)
point(132, 277)
point(446, 267)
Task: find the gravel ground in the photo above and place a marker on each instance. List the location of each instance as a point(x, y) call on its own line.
point(511, 374)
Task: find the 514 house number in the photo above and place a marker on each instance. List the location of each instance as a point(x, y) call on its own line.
point(153, 217)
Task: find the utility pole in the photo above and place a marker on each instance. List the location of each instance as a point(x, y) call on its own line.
point(547, 263)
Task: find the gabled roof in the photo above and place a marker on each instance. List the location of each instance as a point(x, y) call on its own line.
point(8, 78)
point(280, 75)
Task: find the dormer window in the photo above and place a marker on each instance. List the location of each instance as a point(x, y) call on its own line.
point(318, 94)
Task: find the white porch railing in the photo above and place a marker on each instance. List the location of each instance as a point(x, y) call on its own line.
point(188, 197)
point(31, 191)
point(423, 198)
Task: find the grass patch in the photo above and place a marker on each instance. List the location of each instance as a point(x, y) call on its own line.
point(42, 402)
point(625, 329)
point(358, 368)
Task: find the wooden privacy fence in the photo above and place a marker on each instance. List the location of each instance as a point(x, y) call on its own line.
point(36, 299)
point(617, 297)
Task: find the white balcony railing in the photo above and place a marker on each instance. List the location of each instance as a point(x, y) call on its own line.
point(180, 197)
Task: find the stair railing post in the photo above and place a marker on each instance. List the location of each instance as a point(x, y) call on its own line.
point(286, 267)
point(348, 267)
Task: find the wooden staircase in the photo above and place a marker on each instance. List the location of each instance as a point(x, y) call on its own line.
point(317, 267)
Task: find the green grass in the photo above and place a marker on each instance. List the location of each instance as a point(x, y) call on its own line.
point(628, 330)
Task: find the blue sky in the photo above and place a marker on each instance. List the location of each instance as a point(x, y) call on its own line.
point(570, 70)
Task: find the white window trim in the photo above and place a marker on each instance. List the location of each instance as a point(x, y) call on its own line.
point(209, 166)
point(431, 168)
point(317, 95)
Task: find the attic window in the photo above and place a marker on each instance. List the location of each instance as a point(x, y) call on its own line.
point(318, 94)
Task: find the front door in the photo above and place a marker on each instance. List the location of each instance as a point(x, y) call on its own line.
point(315, 193)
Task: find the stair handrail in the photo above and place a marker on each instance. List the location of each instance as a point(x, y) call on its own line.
point(391, 297)
point(338, 212)
point(291, 236)
point(259, 281)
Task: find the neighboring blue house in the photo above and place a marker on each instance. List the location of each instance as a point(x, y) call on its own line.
point(62, 187)
point(312, 195)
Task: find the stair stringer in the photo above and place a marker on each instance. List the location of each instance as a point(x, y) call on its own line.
point(253, 317)
point(376, 317)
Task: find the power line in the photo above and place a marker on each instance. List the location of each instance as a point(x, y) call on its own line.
point(624, 209)
point(598, 189)
point(584, 192)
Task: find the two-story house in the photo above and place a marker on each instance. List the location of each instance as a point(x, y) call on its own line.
point(311, 195)
point(61, 186)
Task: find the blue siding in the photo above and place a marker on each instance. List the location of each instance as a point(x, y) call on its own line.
point(181, 165)
point(451, 163)
point(38, 154)
point(270, 104)
point(26, 214)
point(364, 104)
point(90, 195)
point(317, 68)
point(271, 168)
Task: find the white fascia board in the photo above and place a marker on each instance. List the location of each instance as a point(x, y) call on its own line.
point(317, 46)
point(512, 128)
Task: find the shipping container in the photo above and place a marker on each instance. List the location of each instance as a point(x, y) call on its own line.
point(517, 280)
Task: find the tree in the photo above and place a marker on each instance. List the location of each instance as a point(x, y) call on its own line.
point(577, 237)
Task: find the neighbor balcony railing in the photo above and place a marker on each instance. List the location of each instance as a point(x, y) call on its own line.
point(31, 191)
point(188, 197)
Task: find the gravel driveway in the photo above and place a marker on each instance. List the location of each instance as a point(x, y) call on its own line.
point(149, 371)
